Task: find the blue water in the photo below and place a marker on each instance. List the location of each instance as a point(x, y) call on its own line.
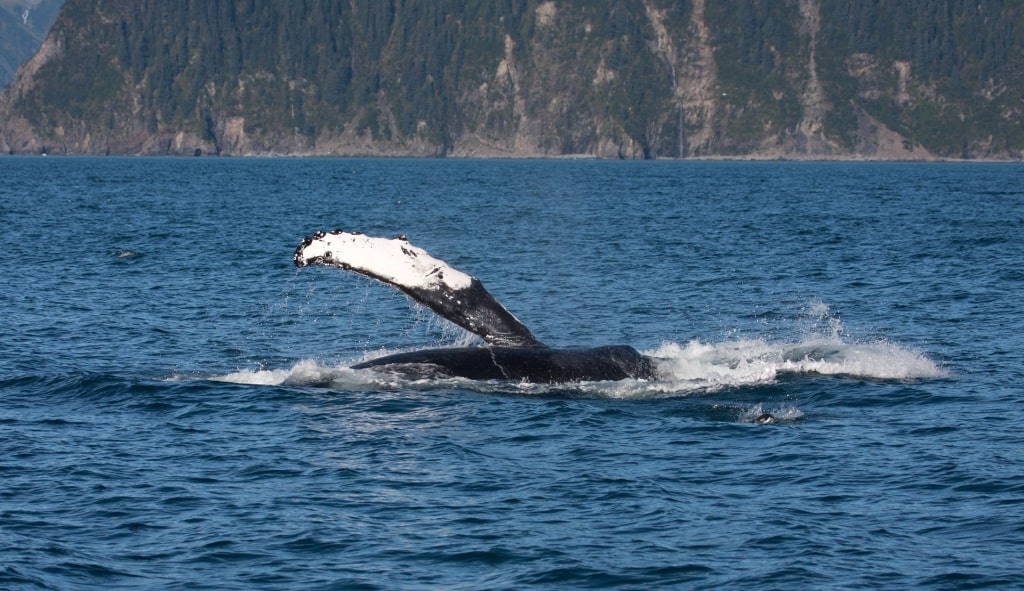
point(177, 412)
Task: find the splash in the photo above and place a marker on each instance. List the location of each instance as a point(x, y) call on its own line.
point(704, 366)
point(340, 376)
point(692, 368)
point(684, 369)
point(307, 372)
point(755, 414)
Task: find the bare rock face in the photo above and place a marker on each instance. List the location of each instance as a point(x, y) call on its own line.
point(597, 78)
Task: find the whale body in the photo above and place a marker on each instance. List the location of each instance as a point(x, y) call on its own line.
point(531, 364)
point(511, 351)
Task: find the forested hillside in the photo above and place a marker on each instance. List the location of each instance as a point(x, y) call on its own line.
point(609, 78)
point(23, 24)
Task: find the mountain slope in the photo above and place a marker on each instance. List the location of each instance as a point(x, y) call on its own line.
point(23, 24)
point(609, 78)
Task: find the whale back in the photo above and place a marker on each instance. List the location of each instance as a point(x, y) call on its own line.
point(455, 296)
point(533, 364)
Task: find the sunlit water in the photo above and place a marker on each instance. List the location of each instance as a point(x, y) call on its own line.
point(177, 409)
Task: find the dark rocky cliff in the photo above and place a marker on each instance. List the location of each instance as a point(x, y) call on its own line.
point(607, 78)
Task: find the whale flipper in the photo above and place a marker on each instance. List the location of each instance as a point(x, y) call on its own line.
point(512, 352)
point(450, 293)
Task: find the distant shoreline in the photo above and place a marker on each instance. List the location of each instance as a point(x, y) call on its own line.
point(566, 157)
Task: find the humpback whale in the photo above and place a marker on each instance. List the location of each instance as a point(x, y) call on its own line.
point(510, 352)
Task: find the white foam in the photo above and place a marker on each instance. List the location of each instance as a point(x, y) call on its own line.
point(311, 372)
point(778, 415)
point(704, 366)
point(392, 260)
point(306, 371)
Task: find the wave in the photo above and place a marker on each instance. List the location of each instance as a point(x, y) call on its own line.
point(693, 368)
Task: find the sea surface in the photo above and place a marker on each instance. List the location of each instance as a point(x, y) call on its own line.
point(177, 409)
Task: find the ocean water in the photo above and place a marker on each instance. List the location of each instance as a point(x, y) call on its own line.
point(177, 412)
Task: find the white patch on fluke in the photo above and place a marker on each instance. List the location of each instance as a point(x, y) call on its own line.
point(392, 260)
